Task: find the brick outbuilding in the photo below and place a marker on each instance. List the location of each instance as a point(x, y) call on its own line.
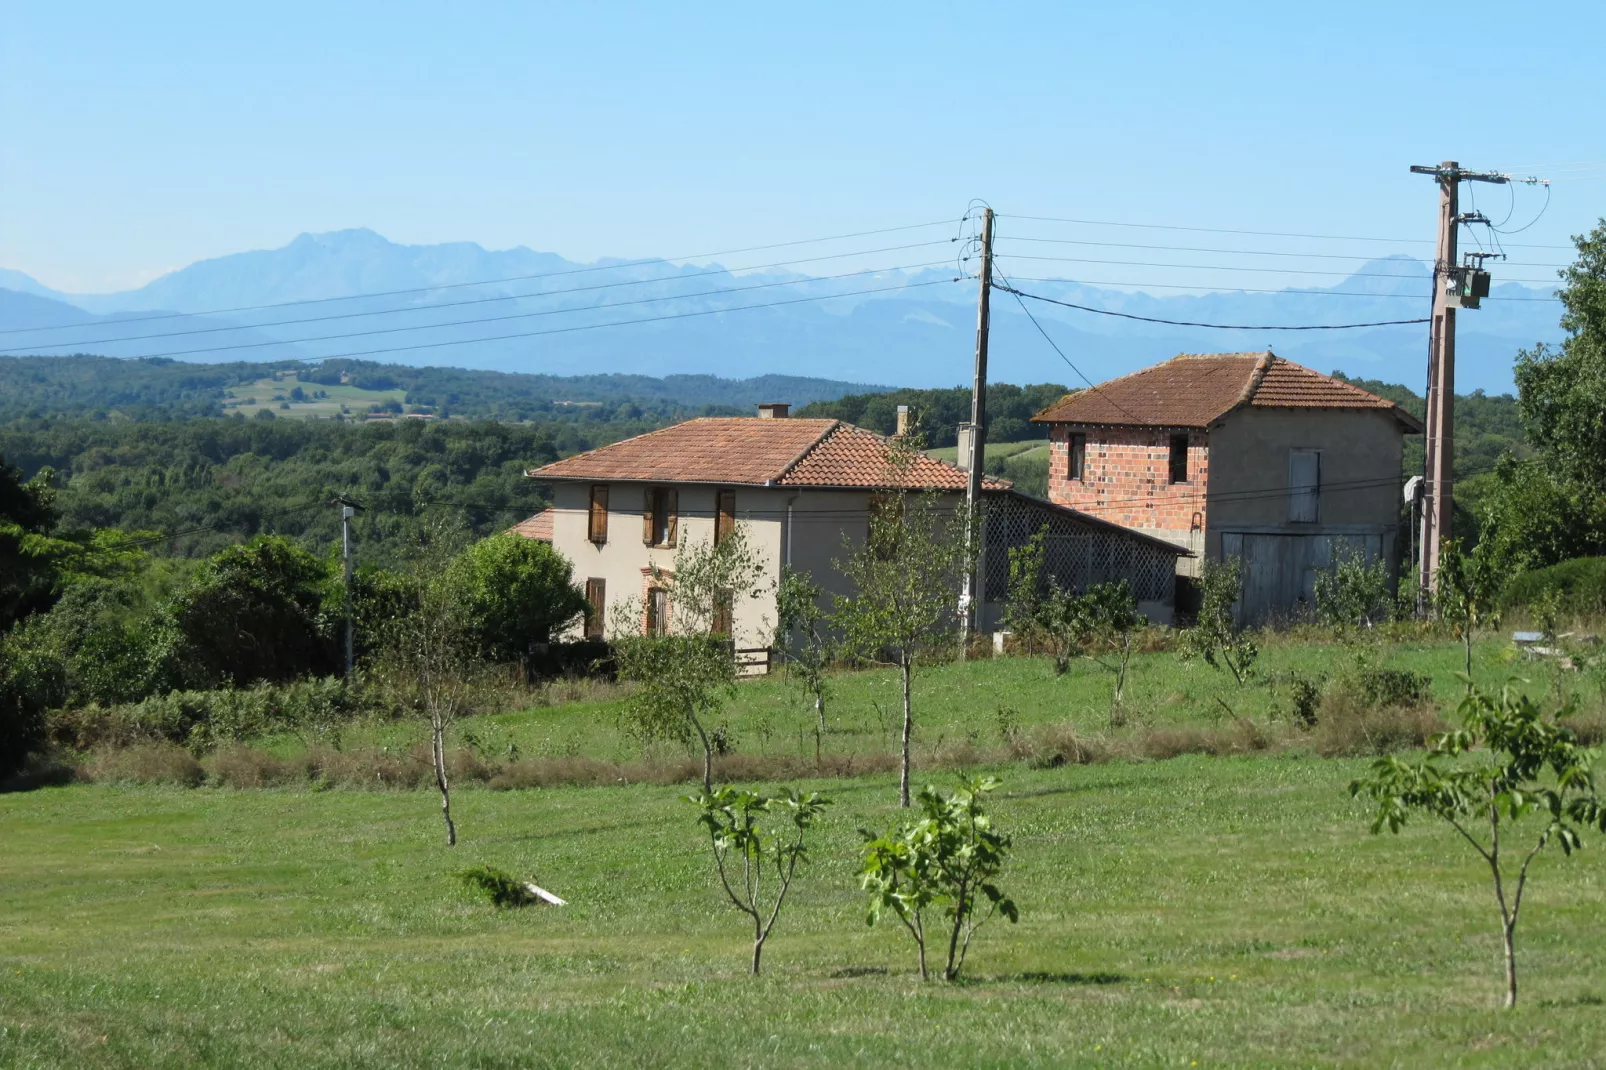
point(1241, 455)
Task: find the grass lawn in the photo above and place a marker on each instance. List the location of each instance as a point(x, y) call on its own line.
point(265, 390)
point(1200, 911)
point(960, 703)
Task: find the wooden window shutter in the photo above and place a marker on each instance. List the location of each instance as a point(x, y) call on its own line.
point(1304, 486)
point(598, 523)
point(597, 606)
point(725, 524)
point(672, 524)
point(649, 499)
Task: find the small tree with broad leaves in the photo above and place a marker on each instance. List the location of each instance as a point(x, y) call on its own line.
point(760, 861)
point(1507, 762)
point(687, 674)
point(1216, 637)
point(1469, 585)
point(801, 637)
point(1099, 624)
point(948, 861)
point(1023, 613)
point(905, 580)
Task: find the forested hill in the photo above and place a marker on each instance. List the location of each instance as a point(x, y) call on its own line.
point(938, 413)
point(159, 389)
point(214, 482)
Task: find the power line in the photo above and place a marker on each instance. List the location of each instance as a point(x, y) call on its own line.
point(1007, 288)
point(588, 326)
point(470, 322)
point(1256, 233)
point(539, 275)
point(1251, 289)
point(1225, 267)
point(1233, 252)
point(1216, 326)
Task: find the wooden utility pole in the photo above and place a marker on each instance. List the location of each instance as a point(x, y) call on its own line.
point(971, 597)
point(1454, 286)
point(1438, 487)
point(348, 509)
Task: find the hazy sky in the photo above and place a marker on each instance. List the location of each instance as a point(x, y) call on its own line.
point(137, 138)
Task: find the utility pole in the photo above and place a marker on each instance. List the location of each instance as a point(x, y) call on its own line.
point(970, 599)
point(1454, 286)
point(348, 509)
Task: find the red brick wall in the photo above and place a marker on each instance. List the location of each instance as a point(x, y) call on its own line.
point(1126, 478)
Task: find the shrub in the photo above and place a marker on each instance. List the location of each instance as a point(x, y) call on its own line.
point(1351, 721)
point(1393, 687)
point(1305, 697)
point(502, 889)
point(1580, 585)
point(145, 763)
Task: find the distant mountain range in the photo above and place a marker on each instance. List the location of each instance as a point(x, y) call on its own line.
point(354, 293)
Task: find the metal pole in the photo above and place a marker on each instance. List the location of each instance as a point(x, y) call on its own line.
point(972, 594)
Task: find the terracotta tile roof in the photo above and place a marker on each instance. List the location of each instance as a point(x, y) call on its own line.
point(752, 450)
point(852, 457)
point(537, 527)
point(1195, 390)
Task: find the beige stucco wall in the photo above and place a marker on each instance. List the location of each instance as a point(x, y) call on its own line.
point(621, 561)
point(1249, 482)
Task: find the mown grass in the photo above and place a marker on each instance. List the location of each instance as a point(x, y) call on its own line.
point(1199, 911)
point(959, 704)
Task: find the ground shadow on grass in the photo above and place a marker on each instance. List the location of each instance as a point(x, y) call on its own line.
point(860, 971)
point(1043, 978)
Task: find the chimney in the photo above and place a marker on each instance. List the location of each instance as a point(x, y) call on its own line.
point(903, 420)
point(774, 410)
point(963, 457)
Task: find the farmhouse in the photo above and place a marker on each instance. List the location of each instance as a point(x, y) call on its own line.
point(1240, 455)
point(804, 489)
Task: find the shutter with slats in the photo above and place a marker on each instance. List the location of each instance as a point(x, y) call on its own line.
point(1304, 486)
point(672, 523)
point(598, 525)
point(647, 511)
point(597, 601)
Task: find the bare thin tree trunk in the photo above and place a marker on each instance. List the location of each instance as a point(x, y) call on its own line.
point(438, 732)
point(708, 751)
point(903, 778)
point(819, 710)
point(1508, 932)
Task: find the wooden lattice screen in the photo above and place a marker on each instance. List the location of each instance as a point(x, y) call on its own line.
point(1079, 553)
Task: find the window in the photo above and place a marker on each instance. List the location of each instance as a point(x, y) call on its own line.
point(598, 526)
point(1179, 458)
point(725, 518)
point(596, 606)
point(658, 520)
point(657, 611)
point(1078, 454)
point(1304, 486)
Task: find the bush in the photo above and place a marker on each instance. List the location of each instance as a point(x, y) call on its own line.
point(1382, 688)
point(502, 889)
point(204, 719)
point(144, 763)
point(1579, 585)
point(1352, 720)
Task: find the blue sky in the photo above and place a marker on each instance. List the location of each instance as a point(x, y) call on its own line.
point(141, 138)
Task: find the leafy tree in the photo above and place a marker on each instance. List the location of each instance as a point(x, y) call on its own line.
point(1533, 517)
point(1352, 592)
point(514, 591)
point(28, 514)
point(801, 637)
point(32, 680)
point(1469, 591)
point(1562, 394)
point(1023, 613)
point(903, 609)
point(1097, 624)
point(947, 861)
point(688, 672)
point(1507, 762)
point(428, 664)
point(252, 613)
point(756, 856)
point(1216, 637)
